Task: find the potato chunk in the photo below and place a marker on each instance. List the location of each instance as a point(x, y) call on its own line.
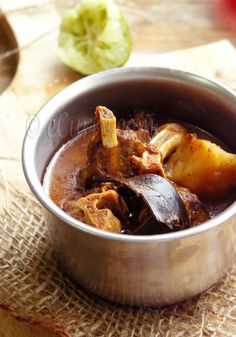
point(203, 167)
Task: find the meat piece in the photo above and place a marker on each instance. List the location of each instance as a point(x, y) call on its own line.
point(106, 127)
point(101, 210)
point(113, 160)
point(166, 139)
point(150, 162)
point(202, 167)
point(99, 187)
point(193, 205)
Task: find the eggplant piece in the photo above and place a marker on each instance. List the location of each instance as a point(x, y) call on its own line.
point(153, 195)
point(161, 198)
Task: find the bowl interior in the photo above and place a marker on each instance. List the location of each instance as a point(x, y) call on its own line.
point(171, 93)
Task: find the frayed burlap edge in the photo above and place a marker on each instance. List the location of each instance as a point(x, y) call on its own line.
point(33, 288)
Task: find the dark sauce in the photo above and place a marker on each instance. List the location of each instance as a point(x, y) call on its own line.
point(60, 180)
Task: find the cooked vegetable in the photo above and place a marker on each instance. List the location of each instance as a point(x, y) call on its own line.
point(140, 210)
point(94, 36)
point(203, 167)
point(161, 198)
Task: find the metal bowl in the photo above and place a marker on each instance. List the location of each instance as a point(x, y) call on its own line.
point(136, 270)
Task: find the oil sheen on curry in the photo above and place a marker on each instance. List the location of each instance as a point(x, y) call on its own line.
point(125, 177)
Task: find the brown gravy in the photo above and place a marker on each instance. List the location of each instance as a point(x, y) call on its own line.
point(60, 177)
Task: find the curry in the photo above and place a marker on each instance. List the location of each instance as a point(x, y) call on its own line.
point(127, 177)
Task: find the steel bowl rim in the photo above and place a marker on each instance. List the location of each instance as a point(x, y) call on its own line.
point(37, 188)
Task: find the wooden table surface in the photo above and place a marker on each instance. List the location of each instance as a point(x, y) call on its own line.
point(166, 25)
point(157, 26)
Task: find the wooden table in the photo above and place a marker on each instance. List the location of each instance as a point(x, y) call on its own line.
point(157, 26)
point(166, 25)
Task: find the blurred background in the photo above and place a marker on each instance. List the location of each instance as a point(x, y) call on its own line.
point(156, 25)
